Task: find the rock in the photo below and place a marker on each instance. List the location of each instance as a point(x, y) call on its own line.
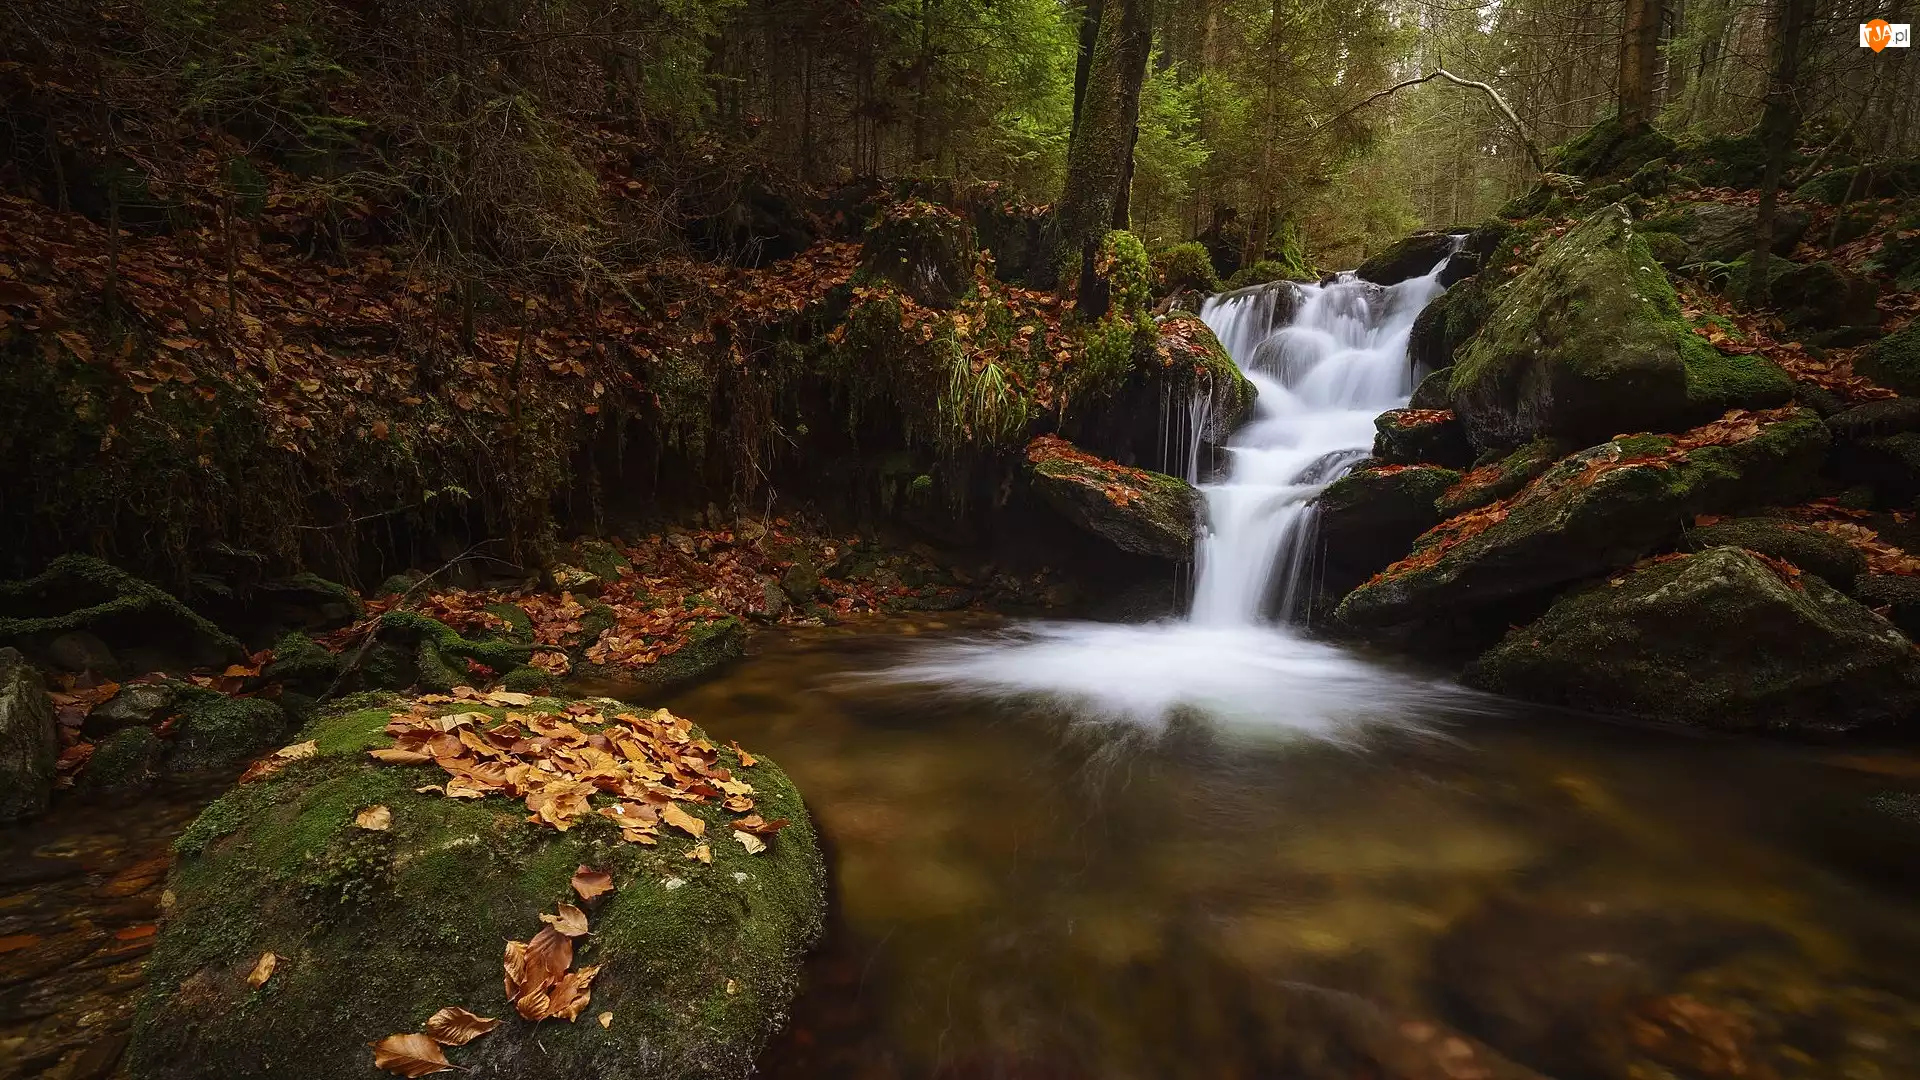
point(1125, 417)
point(1893, 361)
point(1431, 394)
point(1723, 232)
point(1880, 180)
point(1896, 597)
point(1837, 562)
point(309, 603)
point(575, 580)
point(1873, 835)
point(1445, 324)
point(1888, 416)
point(1821, 297)
point(698, 962)
point(1137, 511)
point(926, 251)
point(1609, 149)
point(1413, 257)
point(1719, 640)
point(29, 741)
point(135, 705)
point(78, 651)
point(299, 663)
point(1371, 516)
point(773, 602)
point(1490, 483)
point(710, 646)
point(218, 732)
point(1669, 251)
point(1595, 511)
point(441, 654)
point(82, 593)
point(800, 580)
point(1889, 463)
point(1420, 437)
point(1314, 1033)
point(127, 761)
point(1589, 342)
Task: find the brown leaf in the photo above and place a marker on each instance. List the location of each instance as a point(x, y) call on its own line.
point(394, 756)
point(685, 822)
point(508, 697)
point(703, 852)
point(752, 843)
point(278, 760)
point(374, 819)
point(409, 1055)
point(454, 1026)
point(754, 824)
point(570, 921)
point(262, 970)
point(747, 761)
point(575, 991)
point(589, 883)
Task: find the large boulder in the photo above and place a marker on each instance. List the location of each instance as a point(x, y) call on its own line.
point(1420, 437)
point(1840, 308)
point(1413, 257)
point(1594, 511)
point(1611, 149)
point(1371, 516)
point(29, 742)
point(1722, 639)
point(386, 895)
point(1893, 361)
point(1723, 232)
point(1446, 323)
point(1501, 479)
point(1180, 375)
point(1145, 513)
point(1589, 342)
point(1813, 550)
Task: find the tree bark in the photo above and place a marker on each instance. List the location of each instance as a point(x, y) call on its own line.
point(1639, 59)
point(1779, 123)
point(1083, 59)
point(1100, 152)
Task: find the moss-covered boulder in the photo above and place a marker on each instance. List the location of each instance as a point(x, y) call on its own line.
point(302, 664)
point(1412, 257)
point(215, 731)
point(442, 657)
point(29, 742)
point(82, 593)
point(377, 929)
point(1610, 149)
point(1371, 516)
point(1841, 308)
point(1592, 512)
point(1895, 597)
point(1446, 323)
point(1875, 419)
point(1812, 550)
point(1145, 513)
point(1589, 342)
point(924, 250)
point(1723, 232)
point(1489, 483)
point(1893, 361)
point(127, 761)
point(710, 645)
point(1720, 639)
point(1420, 437)
point(1880, 180)
point(1180, 371)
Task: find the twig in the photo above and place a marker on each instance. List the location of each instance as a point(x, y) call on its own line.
point(1500, 103)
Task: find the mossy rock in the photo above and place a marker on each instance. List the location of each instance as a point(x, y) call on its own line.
point(1723, 232)
point(1447, 322)
point(924, 250)
point(214, 731)
point(378, 930)
point(527, 680)
point(710, 645)
point(1371, 516)
point(1119, 413)
point(1185, 266)
point(1837, 562)
point(1840, 307)
point(1527, 204)
point(303, 664)
point(1874, 419)
point(1266, 272)
point(29, 740)
point(1670, 251)
point(1880, 180)
point(82, 593)
point(1593, 512)
point(1137, 511)
point(1411, 257)
point(1590, 341)
point(437, 642)
point(1894, 361)
point(129, 760)
point(1736, 161)
point(1720, 640)
point(1610, 149)
point(1498, 480)
point(1420, 437)
point(1432, 391)
point(519, 624)
point(1895, 596)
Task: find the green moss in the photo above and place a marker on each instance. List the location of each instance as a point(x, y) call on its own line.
point(1122, 262)
point(519, 623)
point(1838, 562)
point(300, 661)
point(216, 731)
point(413, 919)
point(1186, 266)
point(1609, 149)
point(80, 592)
point(448, 644)
point(1894, 361)
point(527, 680)
point(1718, 381)
point(128, 760)
point(709, 646)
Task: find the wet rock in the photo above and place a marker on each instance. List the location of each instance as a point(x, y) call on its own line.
point(1888, 416)
point(1813, 550)
point(1893, 361)
point(1180, 374)
point(773, 602)
point(215, 731)
point(135, 705)
point(1719, 640)
point(127, 761)
point(1446, 323)
point(698, 962)
point(710, 646)
point(1420, 437)
point(1412, 257)
point(1432, 391)
point(1589, 342)
point(1371, 516)
point(1321, 1034)
point(1723, 232)
point(1592, 512)
point(1487, 484)
point(1136, 511)
point(29, 741)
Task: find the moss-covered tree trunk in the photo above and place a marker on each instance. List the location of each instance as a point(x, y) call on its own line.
point(1098, 157)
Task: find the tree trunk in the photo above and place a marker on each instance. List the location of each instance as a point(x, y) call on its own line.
point(1639, 59)
point(1137, 47)
point(1100, 151)
point(1778, 126)
point(1083, 60)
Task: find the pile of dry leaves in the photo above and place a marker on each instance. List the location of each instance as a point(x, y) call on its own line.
point(1121, 484)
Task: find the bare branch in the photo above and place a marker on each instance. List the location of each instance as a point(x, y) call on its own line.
point(1500, 103)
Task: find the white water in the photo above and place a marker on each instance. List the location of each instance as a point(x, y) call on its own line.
point(1323, 377)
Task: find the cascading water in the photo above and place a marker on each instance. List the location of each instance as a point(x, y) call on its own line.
point(1326, 359)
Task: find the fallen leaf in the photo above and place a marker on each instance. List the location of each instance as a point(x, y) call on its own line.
point(409, 1055)
point(454, 1026)
point(278, 760)
point(263, 970)
point(508, 697)
point(747, 761)
point(374, 819)
point(752, 843)
point(703, 852)
point(606, 1019)
point(685, 822)
point(590, 883)
point(571, 997)
point(758, 826)
point(570, 921)
point(394, 756)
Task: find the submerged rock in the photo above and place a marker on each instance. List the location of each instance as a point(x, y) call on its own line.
point(1720, 639)
point(1413, 257)
point(378, 928)
point(29, 742)
point(1145, 513)
point(1589, 342)
point(1595, 511)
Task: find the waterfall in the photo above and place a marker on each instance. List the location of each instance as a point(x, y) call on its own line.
point(1326, 359)
point(1323, 375)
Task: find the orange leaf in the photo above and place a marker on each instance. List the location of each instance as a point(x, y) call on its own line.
point(685, 822)
point(590, 883)
point(570, 921)
point(262, 970)
point(454, 1026)
point(409, 1055)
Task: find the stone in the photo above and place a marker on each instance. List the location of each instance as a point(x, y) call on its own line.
point(79, 593)
point(1815, 551)
point(135, 705)
point(926, 251)
point(219, 732)
point(1590, 342)
point(29, 740)
point(1420, 437)
point(1610, 149)
point(1136, 511)
point(1874, 419)
point(1896, 597)
point(78, 651)
point(1820, 296)
point(1370, 517)
point(1719, 640)
point(1723, 232)
point(773, 602)
point(1893, 361)
point(1592, 512)
point(710, 646)
point(1445, 324)
point(1415, 256)
point(1487, 484)
point(1126, 417)
point(801, 581)
point(130, 760)
point(1432, 391)
point(698, 962)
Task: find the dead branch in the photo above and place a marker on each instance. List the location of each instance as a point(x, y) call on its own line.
point(1499, 103)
